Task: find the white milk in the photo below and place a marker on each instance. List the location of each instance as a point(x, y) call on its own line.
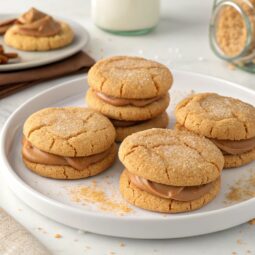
point(125, 15)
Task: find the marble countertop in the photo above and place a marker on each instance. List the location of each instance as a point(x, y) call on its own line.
point(181, 42)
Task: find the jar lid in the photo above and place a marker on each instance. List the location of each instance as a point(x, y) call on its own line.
point(231, 30)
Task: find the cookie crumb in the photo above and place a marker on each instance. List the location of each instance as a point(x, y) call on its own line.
point(94, 194)
point(58, 236)
point(122, 245)
point(234, 253)
point(241, 190)
point(231, 67)
point(252, 222)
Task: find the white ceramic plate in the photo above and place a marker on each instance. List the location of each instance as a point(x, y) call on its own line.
point(29, 59)
point(51, 197)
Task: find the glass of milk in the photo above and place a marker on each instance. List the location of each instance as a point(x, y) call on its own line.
point(126, 17)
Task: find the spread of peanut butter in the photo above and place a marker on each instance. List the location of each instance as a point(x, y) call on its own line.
point(171, 192)
point(235, 147)
point(35, 155)
point(117, 101)
point(124, 123)
point(38, 24)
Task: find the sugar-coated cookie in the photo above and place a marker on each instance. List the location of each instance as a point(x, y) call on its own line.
point(228, 122)
point(169, 170)
point(33, 43)
point(68, 142)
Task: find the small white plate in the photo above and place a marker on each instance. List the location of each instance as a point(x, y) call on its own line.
point(52, 199)
point(30, 59)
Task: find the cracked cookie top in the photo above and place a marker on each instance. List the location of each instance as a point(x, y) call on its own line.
point(130, 77)
point(216, 116)
point(171, 157)
point(69, 131)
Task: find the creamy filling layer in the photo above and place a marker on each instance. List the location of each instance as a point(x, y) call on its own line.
point(117, 101)
point(235, 147)
point(38, 24)
point(184, 194)
point(38, 156)
point(123, 123)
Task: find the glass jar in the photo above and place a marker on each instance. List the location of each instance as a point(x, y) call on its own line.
point(232, 32)
point(126, 17)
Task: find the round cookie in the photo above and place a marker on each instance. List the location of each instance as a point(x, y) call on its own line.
point(160, 121)
point(68, 172)
point(171, 157)
point(31, 43)
point(130, 77)
point(231, 161)
point(69, 131)
point(216, 116)
point(151, 202)
point(128, 113)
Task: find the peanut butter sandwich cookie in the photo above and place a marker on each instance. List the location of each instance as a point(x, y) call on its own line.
point(169, 171)
point(68, 143)
point(228, 122)
point(37, 31)
point(131, 91)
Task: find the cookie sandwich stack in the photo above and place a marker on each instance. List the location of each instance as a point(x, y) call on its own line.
point(131, 91)
point(169, 171)
point(68, 143)
point(228, 122)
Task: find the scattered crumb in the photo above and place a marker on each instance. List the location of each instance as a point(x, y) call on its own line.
point(240, 242)
point(94, 194)
point(234, 253)
point(122, 245)
point(75, 240)
point(231, 66)
point(252, 222)
point(248, 251)
point(58, 236)
point(88, 247)
point(112, 253)
point(20, 210)
point(241, 190)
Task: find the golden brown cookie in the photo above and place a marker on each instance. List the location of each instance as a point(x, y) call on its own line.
point(171, 157)
point(32, 43)
point(151, 202)
point(216, 116)
point(160, 121)
point(130, 77)
point(69, 131)
point(68, 172)
point(231, 161)
point(130, 112)
point(68, 142)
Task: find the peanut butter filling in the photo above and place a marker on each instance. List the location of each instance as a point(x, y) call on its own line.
point(38, 24)
point(124, 123)
point(117, 101)
point(35, 155)
point(171, 192)
point(235, 147)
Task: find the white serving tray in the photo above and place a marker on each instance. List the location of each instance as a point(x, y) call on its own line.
point(30, 59)
point(52, 199)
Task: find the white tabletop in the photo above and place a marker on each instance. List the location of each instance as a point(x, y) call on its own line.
point(180, 41)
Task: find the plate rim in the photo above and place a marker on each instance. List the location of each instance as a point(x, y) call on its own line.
point(29, 65)
point(39, 196)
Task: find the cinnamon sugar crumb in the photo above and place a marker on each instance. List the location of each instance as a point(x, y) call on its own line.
point(252, 222)
point(242, 190)
point(58, 236)
point(95, 195)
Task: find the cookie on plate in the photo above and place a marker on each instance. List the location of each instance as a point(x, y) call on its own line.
point(131, 91)
point(37, 31)
point(68, 143)
point(226, 121)
point(169, 171)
